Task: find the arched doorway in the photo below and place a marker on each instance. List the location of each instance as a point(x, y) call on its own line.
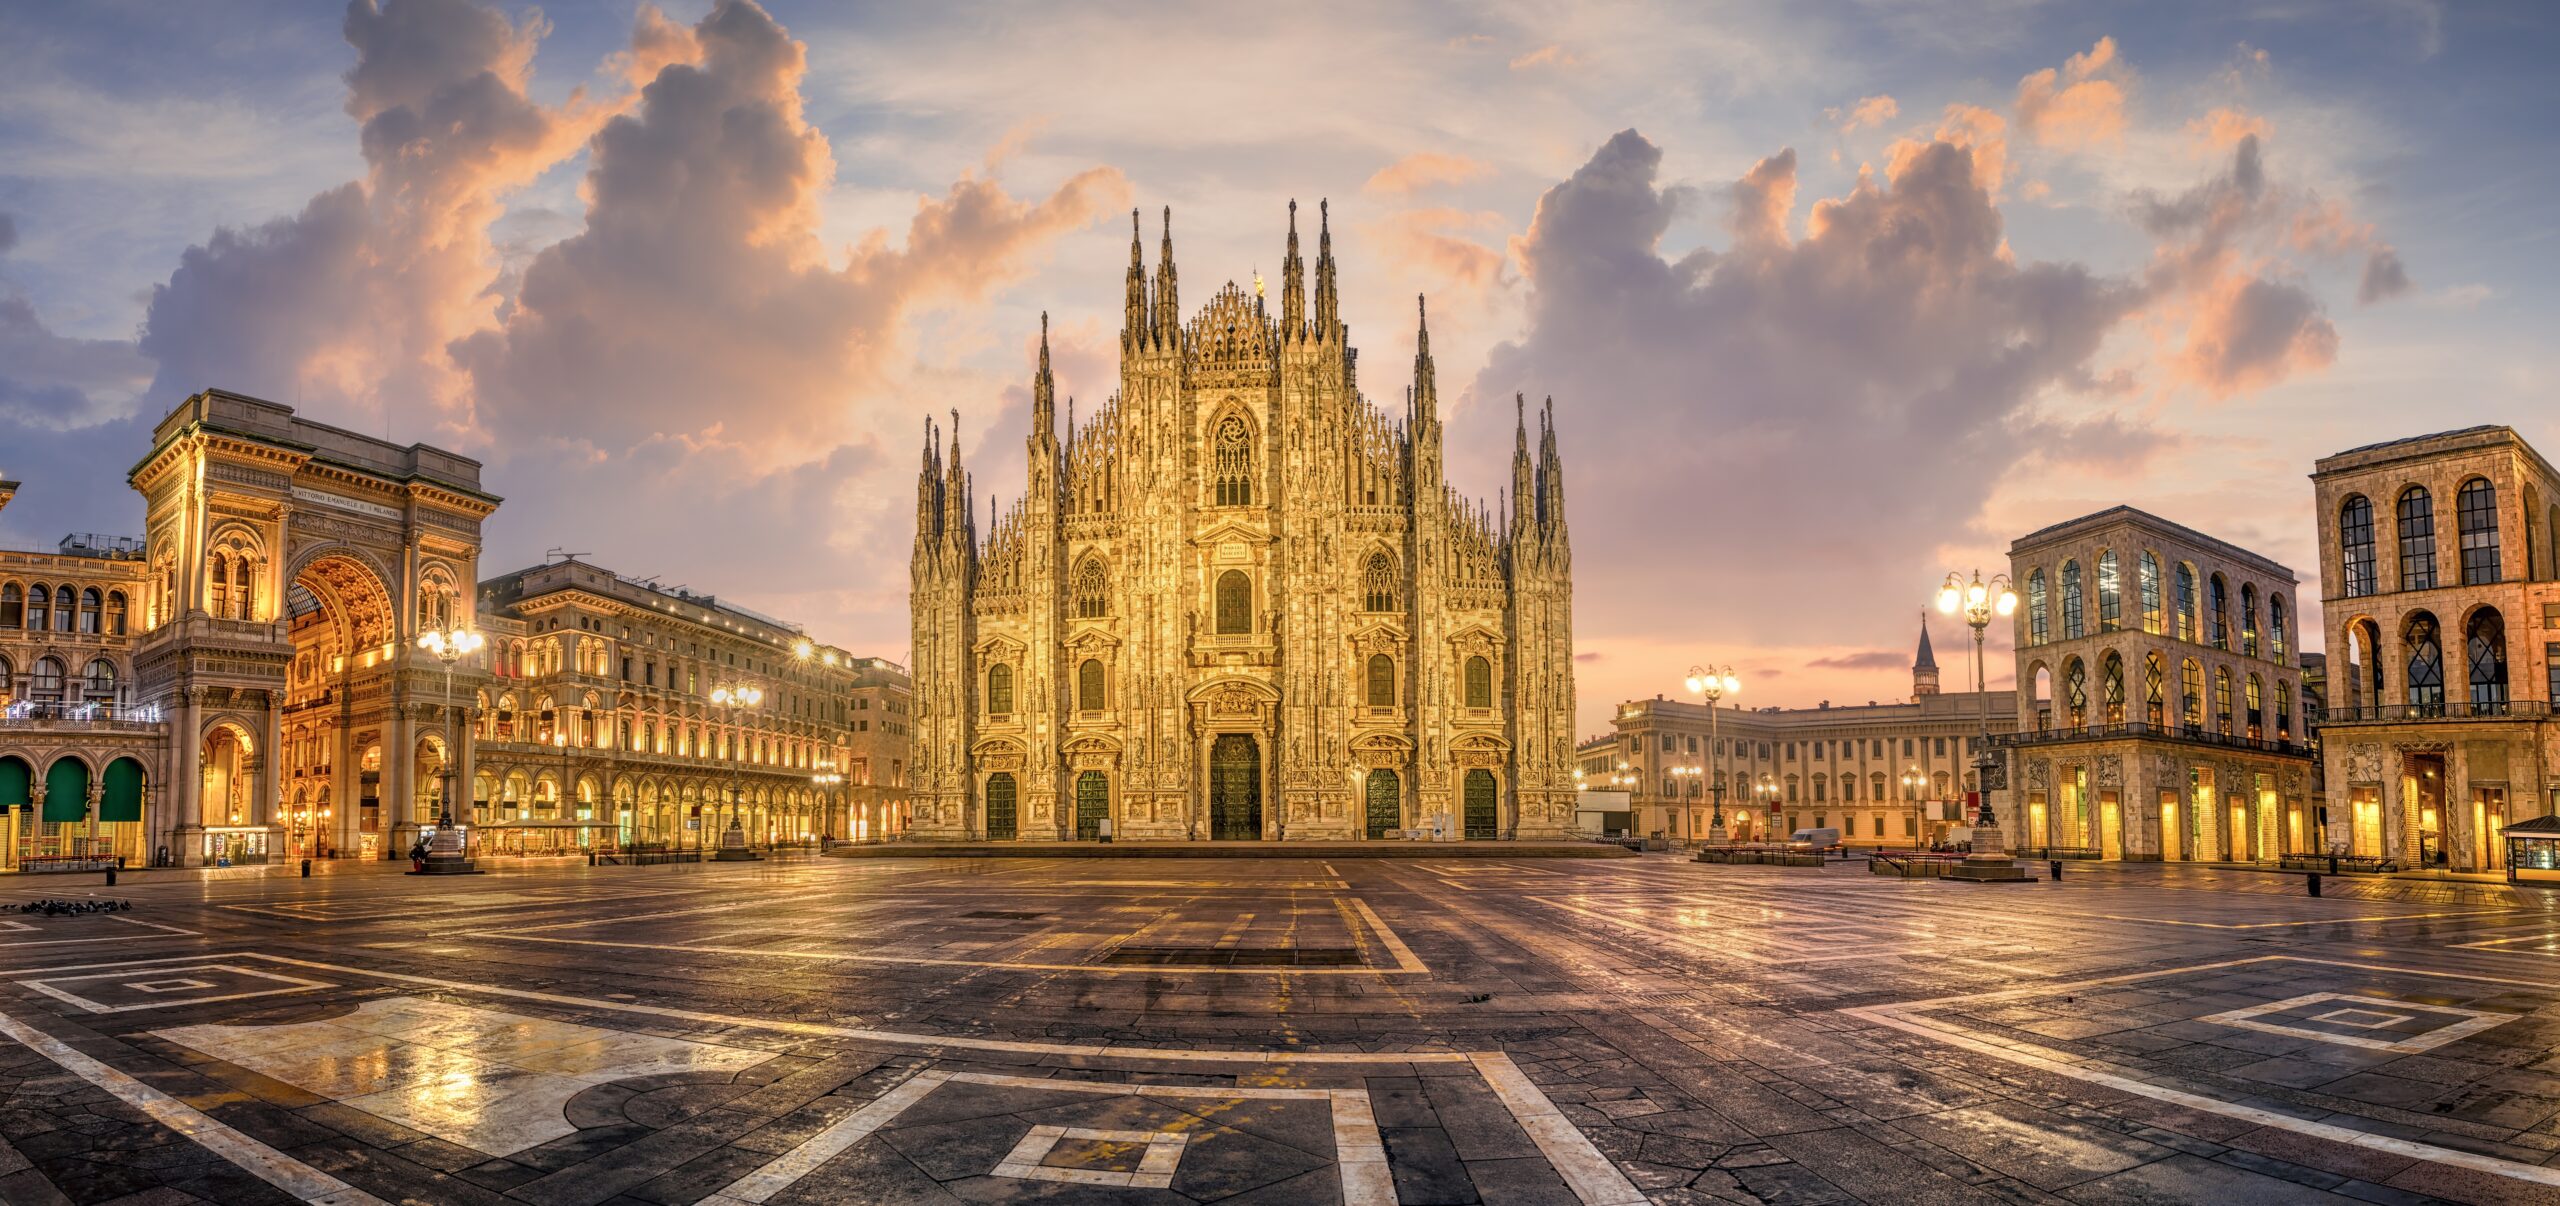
point(1386, 804)
point(1093, 804)
point(1001, 823)
point(1483, 816)
point(341, 619)
point(1235, 788)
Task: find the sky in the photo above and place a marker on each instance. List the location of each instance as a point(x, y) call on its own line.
point(1831, 298)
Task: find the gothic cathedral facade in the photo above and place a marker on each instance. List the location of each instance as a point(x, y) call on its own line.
point(1240, 602)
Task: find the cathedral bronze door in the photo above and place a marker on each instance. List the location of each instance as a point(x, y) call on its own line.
point(1483, 819)
point(1093, 803)
point(1001, 822)
point(1235, 789)
point(1386, 806)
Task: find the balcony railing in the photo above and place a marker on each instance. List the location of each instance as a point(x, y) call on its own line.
point(2191, 734)
point(2451, 709)
point(81, 717)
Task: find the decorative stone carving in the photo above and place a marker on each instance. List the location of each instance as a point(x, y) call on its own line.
point(2111, 770)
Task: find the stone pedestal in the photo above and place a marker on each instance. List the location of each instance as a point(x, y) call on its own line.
point(445, 854)
point(733, 846)
point(1990, 862)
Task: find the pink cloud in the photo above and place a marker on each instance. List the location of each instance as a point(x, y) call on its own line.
point(1869, 111)
point(2080, 106)
point(1425, 169)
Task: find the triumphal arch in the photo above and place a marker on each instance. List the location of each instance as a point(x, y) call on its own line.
point(292, 566)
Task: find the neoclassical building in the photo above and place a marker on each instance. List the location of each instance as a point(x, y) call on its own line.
point(2442, 558)
point(595, 713)
point(1239, 601)
point(2160, 696)
point(1895, 774)
point(245, 681)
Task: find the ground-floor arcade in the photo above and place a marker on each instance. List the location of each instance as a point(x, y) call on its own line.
point(2145, 799)
point(87, 801)
point(2438, 792)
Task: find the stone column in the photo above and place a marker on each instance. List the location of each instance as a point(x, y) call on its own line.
point(464, 755)
point(268, 804)
point(186, 836)
point(399, 781)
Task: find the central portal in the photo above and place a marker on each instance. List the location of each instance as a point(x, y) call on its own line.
point(1235, 789)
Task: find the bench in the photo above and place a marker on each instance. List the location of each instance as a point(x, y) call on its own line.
point(37, 864)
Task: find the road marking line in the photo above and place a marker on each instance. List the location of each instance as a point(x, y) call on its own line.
point(2061, 1063)
point(1590, 1175)
point(267, 1164)
point(890, 1036)
point(787, 1169)
point(1405, 960)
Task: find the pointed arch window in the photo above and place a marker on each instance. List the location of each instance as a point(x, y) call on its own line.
point(1000, 690)
point(2071, 601)
point(2111, 684)
point(2284, 709)
point(2417, 539)
point(1479, 682)
point(2249, 619)
point(2355, 544)
point(2485, 649)
point(1092, 590)
point(2475, 518)
point(2426, 665)
point(1234, 463)
point(1382, 681)
point(2218, 607)
point(2275, 627)
point(2255, 702)
point(2191, 687)
point(2110, 593)
point(1235, 603)
point(1378, 584)
point(2039, 625)
point(2075, 692)
point(1090, 696)
point(2222, 700)
point(2148, 583)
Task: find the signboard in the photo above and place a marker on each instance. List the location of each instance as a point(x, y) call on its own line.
point(342, 502)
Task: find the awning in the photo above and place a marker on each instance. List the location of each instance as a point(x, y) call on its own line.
point(66, 791)
point(122, 791)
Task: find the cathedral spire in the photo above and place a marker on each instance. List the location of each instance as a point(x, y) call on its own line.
point(1044, 394)
point(1168, 303)
point(1522, 499)
point(1293, 284)
point(1328, 306)
point(1426, 387)
point(1550, 467)
point(1133, 325)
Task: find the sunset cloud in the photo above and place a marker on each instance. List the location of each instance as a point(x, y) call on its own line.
point(2078, 107)
point(1869, 111)
point(1844, 373)
point(699, 275)
point(1425, 169)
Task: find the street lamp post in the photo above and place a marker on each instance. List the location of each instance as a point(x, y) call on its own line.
point(1912, 784)
point(731, 698)
point(1978, 601)
point(446, 854)
point(830, 785)
point(1765, 790)
point(1713, 685)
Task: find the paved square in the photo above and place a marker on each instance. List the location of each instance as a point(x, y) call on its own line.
point(1280, 1031)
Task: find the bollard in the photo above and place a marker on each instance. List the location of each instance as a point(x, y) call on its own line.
point(2057, 870)
point(2312, 882)
point(306, 868)
point(111, 877)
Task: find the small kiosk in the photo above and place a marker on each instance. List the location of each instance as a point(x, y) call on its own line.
point(2533, 851)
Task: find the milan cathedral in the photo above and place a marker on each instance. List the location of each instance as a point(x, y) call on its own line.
point(1240, 603)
